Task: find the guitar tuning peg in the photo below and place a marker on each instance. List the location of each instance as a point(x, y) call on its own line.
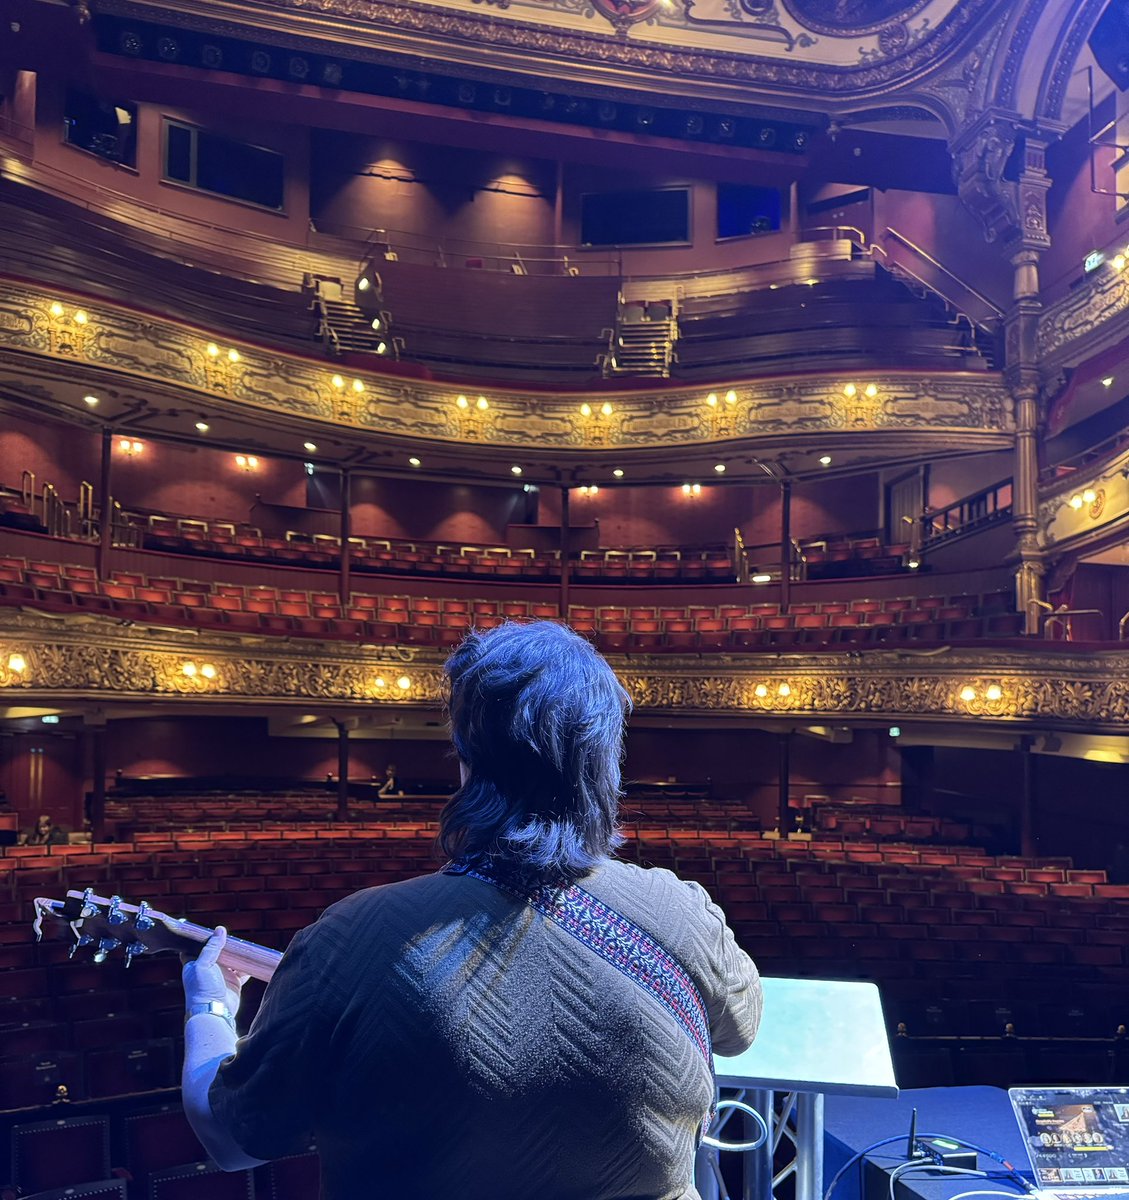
point(132, 950)
point(143, 920)
point(115, 916)
point(105, 945)
point(89, 908)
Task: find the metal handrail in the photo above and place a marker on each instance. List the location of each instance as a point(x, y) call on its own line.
point(990, 498)
point(1062, 616)
point(27, 490)
point(933, 262)
point(835, 229)
point(1121, 627)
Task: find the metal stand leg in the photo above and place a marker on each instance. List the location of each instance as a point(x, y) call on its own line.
point(757, 1164)
point(809, 1146)
point(705, 1173)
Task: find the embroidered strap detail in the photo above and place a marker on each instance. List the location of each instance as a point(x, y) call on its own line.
point(618, 941)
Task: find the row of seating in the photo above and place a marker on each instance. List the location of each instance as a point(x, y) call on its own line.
point(424, 620)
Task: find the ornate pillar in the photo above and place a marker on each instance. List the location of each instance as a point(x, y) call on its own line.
point(1014, 214)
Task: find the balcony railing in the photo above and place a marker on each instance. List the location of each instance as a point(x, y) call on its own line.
point(966, 515)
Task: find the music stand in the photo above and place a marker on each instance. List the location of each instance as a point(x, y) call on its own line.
point(818, 1037)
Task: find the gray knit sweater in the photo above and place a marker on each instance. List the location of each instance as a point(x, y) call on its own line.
point(442, 1041)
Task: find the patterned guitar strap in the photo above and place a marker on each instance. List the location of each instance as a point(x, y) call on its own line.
point(619, 941)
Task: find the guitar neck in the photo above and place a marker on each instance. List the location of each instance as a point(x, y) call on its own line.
point(248, 958)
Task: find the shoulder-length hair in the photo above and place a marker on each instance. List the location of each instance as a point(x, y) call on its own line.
point(537, 719)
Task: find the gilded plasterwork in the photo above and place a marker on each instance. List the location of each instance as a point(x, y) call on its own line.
point(149, 350)
point(1078, 324)
point(95, 658)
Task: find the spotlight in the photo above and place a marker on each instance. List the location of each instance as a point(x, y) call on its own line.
point(202, 426)
point(363, 284)
point(309, 447)
point(825, 460)
point(466, 93)
point(413, 461)
point(800, 139)
point(719, 468)
point(92, 401)
point(762, 579)
point(693, 125)
point(168, 48)
point(726, 128)
point(503, 97)
point(606, 112)
point(618, 472)
point(913, 562)
point(130, 42)
point(1107, 381)
point(515, 470)
point(644, 118)
point(766, 136)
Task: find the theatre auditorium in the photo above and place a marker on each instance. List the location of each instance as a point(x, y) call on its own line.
point(780, 348)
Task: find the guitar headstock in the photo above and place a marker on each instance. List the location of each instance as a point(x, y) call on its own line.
point(109, 924)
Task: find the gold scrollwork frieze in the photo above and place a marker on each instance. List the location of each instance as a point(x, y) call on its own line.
point(164, 353)
point(95, 659)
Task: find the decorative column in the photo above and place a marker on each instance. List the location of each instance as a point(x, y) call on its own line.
point(106, 506)
point(785, 544)
point(1014, 214)
point(343, 580)
point(566, 551)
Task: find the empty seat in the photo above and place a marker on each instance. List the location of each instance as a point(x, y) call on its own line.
point(56, 1153)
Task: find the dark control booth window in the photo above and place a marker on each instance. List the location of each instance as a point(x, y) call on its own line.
point(654, 217)
point(107, 128)
point(743, 211)
point(204, 160)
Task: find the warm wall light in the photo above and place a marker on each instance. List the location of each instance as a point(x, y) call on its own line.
point(731, 397)
point(762, 579)
point(381, 347)
point(233, 356)
point(516, 469)
point(337, 382)
point(994, 691)
point(91, 400)
point(482, 403)
point(80, 317)
point(189, 669)
point(17, 664)
point(310, 446)
point(130, 447)
point(213, 350)
point(968, 693)
point(618, 472)
point(202, 426)
point(1089, 496)
point(246, 462)
point(586, 410)
point(208, 671)
point(871, 390)
point(850, 390)
point(719, 468)
point(462, 402)
point(761, 690)
point(403, 683)
point(691, 489)
point(606, 409)
point(825, 460)
point(380, 681)
point(711, 399)
point(784, 690)
point(376, 323)
point(1076, 501)
point(358, 386)
point(413, 461)
point(364, 283)
point(57, 309)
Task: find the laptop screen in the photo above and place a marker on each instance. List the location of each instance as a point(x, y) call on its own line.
point(1077, 1137)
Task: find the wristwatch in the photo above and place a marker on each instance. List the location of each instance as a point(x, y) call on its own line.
point(216, 1008)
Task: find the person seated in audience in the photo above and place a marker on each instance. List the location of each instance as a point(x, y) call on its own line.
point(45, 833)
point(391, 785)
point(557, 1004)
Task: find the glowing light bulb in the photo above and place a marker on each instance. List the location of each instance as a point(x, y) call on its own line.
point(208, 671)
point(309, 446)
point(189, 669)
point(338, 382)
point(380, 681)
point(80, 317)
point(358, 386)
point(482, 403)
point(618, 472)
point(731, 397)
point(606, 409)
point(233, 356)
point(761, 690)
point(516, 470)
point(994, 691)
point(462, 402)
point(202, 426)
point(91, 400)
point(825, 460)
point(403, 683)
point(1089, 496)
point(364, 283)
point(413, 461)
point(1076, 501)
point(850, 390)
point(57, 309)
point(967, 693)
point(213, 350)
point(871, 390)
point(711, 399)
point(17, 664)
point(586, 410)
point(784, 690)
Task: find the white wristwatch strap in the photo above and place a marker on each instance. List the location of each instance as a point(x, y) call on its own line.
point(215, 1008)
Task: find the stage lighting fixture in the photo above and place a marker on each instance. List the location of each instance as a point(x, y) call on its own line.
point(719, 468)
point(800, 139)
point(503, 97)
point(693, 125)
point(516, 470)
point(466, 93)
point(90, 400)
point(413, 461)
point(298, 67)
point(129, 42)
point(644, 118)
point(606, 112)
point(766, 136)
point(260, 62)
point(762, 579)
point(310, 447)
point(331, 74)
point(825, 460)
point(726, 128)
point(168, 49)
point(618, 472)
point(202, 426)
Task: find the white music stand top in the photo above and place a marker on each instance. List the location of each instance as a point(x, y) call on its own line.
point(816, 1035)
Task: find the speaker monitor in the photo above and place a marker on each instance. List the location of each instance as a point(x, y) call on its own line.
point(1110, 42)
